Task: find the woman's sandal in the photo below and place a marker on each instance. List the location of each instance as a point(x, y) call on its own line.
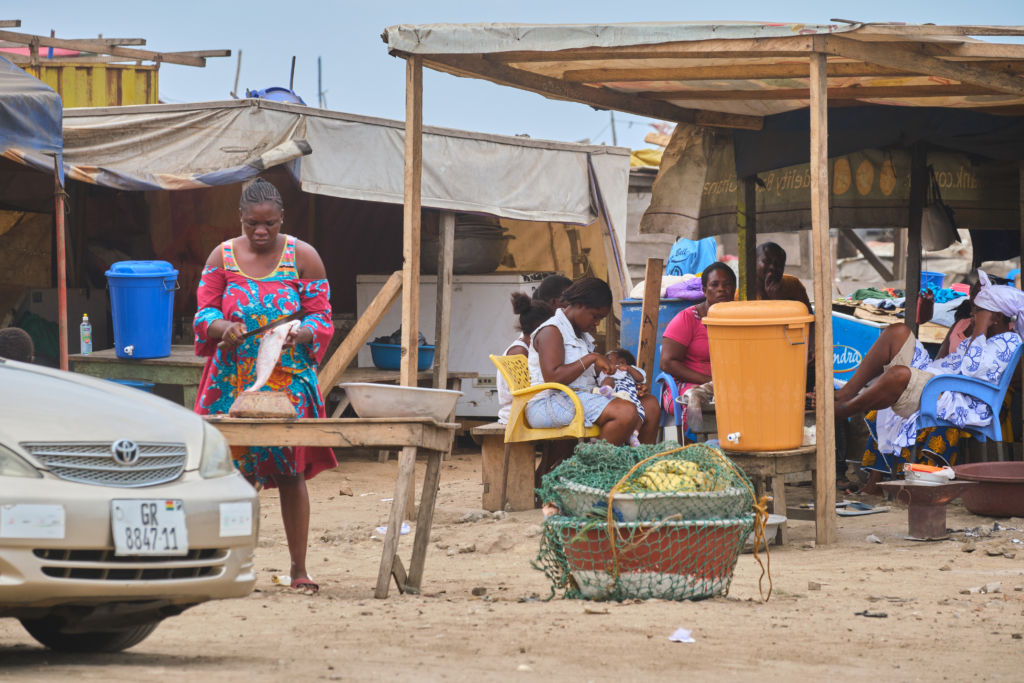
point(306, 585)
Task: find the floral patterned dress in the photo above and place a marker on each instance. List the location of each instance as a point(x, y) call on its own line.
point(229, 294)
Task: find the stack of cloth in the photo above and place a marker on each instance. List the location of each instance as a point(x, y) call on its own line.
point(887, 306)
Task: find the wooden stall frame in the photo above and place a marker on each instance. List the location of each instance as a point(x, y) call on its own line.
point(649, 319)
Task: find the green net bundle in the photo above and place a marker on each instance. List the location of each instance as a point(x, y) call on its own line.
point(678, 521)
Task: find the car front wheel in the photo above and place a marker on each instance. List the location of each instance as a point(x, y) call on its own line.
point(47, 631)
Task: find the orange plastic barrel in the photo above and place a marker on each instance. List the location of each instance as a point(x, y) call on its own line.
point(759, 367)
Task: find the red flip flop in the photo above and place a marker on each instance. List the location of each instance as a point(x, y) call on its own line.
point(306, 585)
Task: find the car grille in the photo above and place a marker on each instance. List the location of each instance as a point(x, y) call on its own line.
point(104, 565)
point(93, 463)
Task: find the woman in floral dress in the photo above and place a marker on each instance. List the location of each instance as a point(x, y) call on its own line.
point(249, 282)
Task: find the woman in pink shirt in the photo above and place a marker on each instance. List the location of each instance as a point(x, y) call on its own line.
point(684, 351)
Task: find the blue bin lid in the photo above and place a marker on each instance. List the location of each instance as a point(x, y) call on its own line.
point(142, 269)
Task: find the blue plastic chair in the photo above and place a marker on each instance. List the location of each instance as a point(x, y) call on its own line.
point(991, 394)
point(662, 380)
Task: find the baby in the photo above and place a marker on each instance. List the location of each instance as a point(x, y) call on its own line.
point(623, 384)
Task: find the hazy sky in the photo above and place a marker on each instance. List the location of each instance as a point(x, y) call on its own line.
point(360, 77)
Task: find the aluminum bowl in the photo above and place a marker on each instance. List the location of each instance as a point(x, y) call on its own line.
point(385, 400)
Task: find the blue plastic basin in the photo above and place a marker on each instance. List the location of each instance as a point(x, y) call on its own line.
point(142, 306)
point(389, 357)
point(929, 277)
point(134, 383)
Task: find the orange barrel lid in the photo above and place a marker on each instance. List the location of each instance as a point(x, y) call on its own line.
point(739, 313)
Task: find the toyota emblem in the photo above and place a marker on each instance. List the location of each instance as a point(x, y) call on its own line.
point(125, 452)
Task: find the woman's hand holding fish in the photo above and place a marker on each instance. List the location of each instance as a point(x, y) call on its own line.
point(299, 335)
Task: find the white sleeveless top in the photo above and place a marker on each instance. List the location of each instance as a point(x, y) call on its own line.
point(575, 349)
point(504, 394)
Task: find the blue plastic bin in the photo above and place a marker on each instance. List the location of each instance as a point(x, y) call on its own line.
point(631, 312)
point(929, 277)
point(389, 357)
point(134, 384)
point(142, 305)
point(851, 339)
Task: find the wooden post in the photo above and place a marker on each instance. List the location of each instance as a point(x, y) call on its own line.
point(825, 472)
point(918, 193)
point(442, 328)
point(649, 317)
point(406, 477)
point(899, 253)
point(746, 218)
point(411, 221)
point(863, 248)
point(62, 268)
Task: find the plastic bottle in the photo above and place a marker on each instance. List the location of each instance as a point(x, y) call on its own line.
point(86, 334)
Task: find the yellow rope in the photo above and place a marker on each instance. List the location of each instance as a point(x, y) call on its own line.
point(760, 516)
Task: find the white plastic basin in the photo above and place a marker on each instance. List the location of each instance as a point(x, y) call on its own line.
point(771, 530)
point(384, 400)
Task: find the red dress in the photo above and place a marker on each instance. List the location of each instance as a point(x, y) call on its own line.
point(229, 294)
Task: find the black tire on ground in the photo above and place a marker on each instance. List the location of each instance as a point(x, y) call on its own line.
point(47, 632)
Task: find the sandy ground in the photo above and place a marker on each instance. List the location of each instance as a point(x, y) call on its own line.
point(932, 631)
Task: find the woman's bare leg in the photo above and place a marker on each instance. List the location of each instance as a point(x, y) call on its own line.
point(882, 394)
point(652, 420)
point(881, 353)
point(295, 512)
point(618, 421)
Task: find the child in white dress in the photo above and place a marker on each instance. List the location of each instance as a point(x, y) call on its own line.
point(531, 312)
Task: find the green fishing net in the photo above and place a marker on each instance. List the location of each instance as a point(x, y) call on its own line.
point(679, 519)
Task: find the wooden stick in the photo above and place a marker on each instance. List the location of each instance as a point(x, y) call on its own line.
point(742, 72)
point(932, 30)
point(845, 93)
point(918, 194)
point(746, 217)
point(899, 57)
point(62, 268)
point(10, 23)
point(899, 253)
point(649, 319)
point(870, 255)
point(411, 219)
point(425, 520)
point(89, 46)
point(406, 470)
point(796, 46)
point(476, 66)
point(443, 324)
point(364, 327)
point(825, 477)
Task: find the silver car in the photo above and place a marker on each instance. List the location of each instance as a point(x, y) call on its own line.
point(117, 509)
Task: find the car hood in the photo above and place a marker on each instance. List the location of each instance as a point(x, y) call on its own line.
point(41, 404)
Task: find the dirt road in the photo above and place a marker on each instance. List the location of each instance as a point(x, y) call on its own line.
point(932, 631)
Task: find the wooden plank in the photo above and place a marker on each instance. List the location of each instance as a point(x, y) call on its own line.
point(10, 23)
point(411, 218)
point(332, 433)
point(899, 253)
point(918, 194)
point(933, 30)
point(970, 51)
point(649, 319)
point(476, 66)
point(844, 93)
point(428, 500)
point(825, 493)
point(170, 374)
point(900, 57)
point(863, 248)
point(796, 46)
point(88, 46)
point(443, 321)
point(406, 469)
point(746, 218)
point(364, 327)
point(521, 465)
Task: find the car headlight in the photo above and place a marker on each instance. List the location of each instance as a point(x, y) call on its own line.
point(216, 460)
point(12, 465)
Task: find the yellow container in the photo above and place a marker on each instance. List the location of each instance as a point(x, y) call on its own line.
point(759, 367)
point(99, 85)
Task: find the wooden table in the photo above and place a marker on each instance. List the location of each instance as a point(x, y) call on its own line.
point(775, 464)
point(185, 369)
point(410, 435)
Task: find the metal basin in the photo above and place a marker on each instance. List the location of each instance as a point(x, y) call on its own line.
point(384, 400)
point(1000, 489)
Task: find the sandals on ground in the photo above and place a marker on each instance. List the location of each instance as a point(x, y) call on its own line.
point(306, 585)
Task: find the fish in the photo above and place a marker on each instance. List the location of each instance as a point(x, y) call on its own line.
point(269, 353)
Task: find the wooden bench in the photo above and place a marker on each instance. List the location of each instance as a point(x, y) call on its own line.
point(521, 467)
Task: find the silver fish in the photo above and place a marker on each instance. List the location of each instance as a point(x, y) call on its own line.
point(270, 352)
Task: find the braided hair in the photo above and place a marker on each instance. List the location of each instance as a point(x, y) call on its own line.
point(257, 192)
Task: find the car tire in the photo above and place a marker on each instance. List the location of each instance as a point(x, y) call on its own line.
point(47, 631)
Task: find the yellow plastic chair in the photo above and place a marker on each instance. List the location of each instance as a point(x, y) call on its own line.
point(516, 371)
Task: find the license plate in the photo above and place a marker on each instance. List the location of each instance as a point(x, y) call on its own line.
point(149, 527)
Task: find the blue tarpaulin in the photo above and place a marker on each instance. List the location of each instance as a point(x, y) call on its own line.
point(30, 120)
